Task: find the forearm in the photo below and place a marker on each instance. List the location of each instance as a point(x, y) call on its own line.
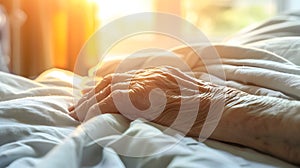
point(268, 124)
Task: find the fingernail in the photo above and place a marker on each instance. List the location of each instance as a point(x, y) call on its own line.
point(71, 108)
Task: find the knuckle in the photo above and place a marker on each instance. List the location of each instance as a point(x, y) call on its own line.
point(107, 78)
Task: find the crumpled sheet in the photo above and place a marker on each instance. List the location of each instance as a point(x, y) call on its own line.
point(36, 131)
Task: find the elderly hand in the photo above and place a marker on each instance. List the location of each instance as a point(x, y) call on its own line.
point(168, 97)
point(163, 95)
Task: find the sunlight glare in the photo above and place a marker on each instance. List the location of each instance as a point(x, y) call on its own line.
point(112, 9)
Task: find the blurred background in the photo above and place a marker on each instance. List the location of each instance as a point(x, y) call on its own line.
point(36, 35)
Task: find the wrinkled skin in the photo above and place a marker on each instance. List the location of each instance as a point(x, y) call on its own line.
point(245, 119)
point(176, 86)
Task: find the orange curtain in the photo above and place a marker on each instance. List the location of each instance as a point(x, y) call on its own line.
point(48, 33)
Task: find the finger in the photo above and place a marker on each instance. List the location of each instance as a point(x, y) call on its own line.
point(74, 115)
point(121, 77)
point(89, 99)
point(169, 79)
point(82, 109)
point(191, 83)
point(71, 108)
point(107, 80)
point(179, 73)
point(120, 86)
point(83, 99)
point(193, 79)
point(105, 106)
point(185, 83)
point(136, 71)
point(101, 85)
point(86, 90)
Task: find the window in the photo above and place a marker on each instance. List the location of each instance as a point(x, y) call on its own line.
point(220, 18)
point(216, 18)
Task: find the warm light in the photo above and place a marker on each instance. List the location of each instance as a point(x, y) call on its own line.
point(112, 9)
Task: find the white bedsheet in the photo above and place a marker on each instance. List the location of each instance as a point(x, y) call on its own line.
point(35, 130)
